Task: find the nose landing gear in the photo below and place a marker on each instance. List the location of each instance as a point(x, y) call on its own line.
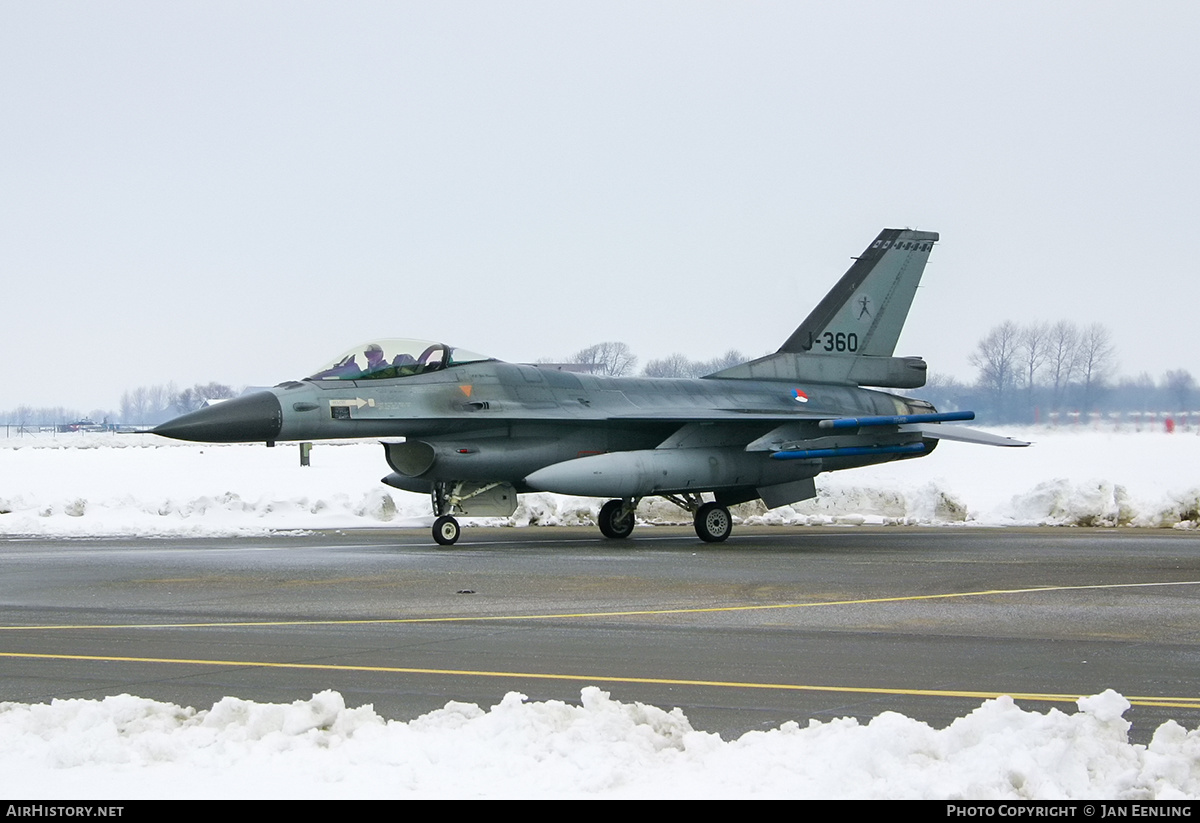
point(446, 530)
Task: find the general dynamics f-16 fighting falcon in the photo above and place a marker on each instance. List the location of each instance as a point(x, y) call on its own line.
point(478, 431)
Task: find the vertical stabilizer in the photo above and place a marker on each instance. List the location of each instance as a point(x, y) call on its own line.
point(865, 312)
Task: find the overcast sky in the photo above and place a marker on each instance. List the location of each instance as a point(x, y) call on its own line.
point(199, 191)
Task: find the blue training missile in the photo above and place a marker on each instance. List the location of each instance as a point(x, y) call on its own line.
point(848, 451)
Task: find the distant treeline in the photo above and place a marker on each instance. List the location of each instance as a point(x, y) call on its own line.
point(1027, 373)
point(143, 406)
point(614, 359)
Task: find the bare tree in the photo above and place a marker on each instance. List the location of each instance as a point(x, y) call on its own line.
point(134, 405)
point(148, 404)
point(56, 415)
point(675, 365)
point(188, 400)
point(612, 359)
point(1033, 352)
point(103, 416)
point(1097, 359)
point(1062, 348)
point(728, 360)
point(1179, 384)
point(996, 358)
point(212, 391)
point(157, 398)
point(679, 365)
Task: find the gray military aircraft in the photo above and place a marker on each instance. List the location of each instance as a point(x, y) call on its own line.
point(478, 431)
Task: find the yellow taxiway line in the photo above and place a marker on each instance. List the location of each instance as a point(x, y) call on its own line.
point(577, 615)
point(1181, 702)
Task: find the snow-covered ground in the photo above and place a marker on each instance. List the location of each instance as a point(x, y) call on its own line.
point(126, 747)
point(79, 484)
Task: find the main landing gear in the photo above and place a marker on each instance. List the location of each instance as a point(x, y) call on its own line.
point(616, 518)
point(712, 521)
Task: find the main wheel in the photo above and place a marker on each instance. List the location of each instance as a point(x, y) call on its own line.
point(446, 530)
point(611, 523)
point(713, 522)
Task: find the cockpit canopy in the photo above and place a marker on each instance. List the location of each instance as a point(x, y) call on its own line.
point(395, 357)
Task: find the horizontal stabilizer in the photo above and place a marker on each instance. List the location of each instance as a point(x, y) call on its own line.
point(843, 369)
point(894, 420)
point(962, 435)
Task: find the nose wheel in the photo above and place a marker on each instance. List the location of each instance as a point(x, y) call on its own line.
point(446, 530)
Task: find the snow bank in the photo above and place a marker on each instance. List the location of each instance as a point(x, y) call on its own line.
point(129, 747)
point(78, 484)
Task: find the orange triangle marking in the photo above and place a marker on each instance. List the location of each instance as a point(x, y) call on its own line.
point(466, 390)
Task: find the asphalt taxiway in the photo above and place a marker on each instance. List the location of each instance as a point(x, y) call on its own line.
point(776, 624)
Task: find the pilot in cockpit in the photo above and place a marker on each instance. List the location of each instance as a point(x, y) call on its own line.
point(395, 358)
point(375, 359)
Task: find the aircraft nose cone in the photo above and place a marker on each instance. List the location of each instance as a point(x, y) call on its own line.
point(245, 419)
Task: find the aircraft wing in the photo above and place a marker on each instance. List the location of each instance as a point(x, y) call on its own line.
point(718, 415)
point(800, 429)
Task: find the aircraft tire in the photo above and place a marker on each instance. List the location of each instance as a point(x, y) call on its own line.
point(612, 525)
point(713, 523)
point(446, 531)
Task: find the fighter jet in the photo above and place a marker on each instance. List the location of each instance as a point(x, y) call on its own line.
point(473, 432)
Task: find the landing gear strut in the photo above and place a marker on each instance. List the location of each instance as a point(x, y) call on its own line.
point(445, 529)
point(470, 499)
point(616, 518)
